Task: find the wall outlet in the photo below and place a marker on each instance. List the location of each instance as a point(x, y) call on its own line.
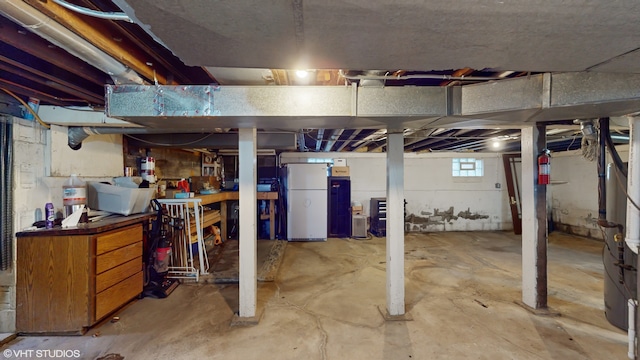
point(498, 185)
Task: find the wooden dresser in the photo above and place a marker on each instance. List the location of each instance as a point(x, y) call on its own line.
point(68, 280)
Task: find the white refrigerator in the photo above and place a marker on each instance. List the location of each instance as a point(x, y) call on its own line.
point(306, 191)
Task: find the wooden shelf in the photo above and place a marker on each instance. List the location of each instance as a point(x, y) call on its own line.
point(224, 196)
point(210, 218)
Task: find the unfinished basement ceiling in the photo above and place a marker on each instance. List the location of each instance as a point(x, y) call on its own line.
point(525, 35)
point(367, 43)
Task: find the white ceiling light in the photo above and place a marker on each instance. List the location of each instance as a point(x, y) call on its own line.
point(302, 73)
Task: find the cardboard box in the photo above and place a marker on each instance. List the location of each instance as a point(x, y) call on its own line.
point(357, 210)
point(339, 162)
point(204, 182)
point(171, 193)
point(118, 199)
point(339, 171)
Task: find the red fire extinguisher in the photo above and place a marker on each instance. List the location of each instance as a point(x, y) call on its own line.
point(544, 167)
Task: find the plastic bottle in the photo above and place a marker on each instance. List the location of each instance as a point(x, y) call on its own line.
point(50, 215)
point(74, 194)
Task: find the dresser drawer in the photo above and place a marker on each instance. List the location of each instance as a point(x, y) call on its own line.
point(119, 256)
point(118, 238)
point(117, 274)
point(118, 295)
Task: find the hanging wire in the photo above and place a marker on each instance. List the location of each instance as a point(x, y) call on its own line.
point(624, 190)
point(35, 115)
point(572, 141)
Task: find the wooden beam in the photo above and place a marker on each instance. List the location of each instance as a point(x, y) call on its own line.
point(49, 79)
point(34, 45)
point(44, 97)
point(96, 32)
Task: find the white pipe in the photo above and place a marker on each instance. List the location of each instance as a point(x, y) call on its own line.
point(45, 27)
point(632, 237)
point(632, 329)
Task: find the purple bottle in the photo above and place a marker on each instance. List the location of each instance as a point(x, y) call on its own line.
point(50, 215)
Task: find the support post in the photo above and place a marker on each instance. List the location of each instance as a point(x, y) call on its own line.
point(534, 220)
point(248, 211)
point(395, 222)
point(632, 234)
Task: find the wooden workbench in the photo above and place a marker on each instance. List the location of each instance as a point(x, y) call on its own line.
point(224, 196)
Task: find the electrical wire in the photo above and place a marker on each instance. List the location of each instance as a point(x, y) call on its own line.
point(35, 115)
point(572, 141)
point(605, 248)
point(612, 149)
point(624, 190)
point(628, 293)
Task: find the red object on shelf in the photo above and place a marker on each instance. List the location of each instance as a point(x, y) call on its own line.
point(183, 185)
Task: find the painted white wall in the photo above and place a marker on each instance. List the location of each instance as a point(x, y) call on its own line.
point(430, 188)
point(574, 194)
point(42, 163)
point(99, 159)
point(99, 156)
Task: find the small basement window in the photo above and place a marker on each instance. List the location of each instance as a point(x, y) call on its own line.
point(320, 161)
point(467, 167)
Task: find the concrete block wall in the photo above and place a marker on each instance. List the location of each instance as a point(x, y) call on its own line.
point(436, 201)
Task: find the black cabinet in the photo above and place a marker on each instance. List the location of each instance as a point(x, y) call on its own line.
point(339, 206)
point(378, 211)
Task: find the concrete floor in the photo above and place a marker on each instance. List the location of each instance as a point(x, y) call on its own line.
point(461, 292)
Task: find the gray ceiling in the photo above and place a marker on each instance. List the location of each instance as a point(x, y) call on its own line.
point(383, 37)
point(440, 69)
point(522, 35)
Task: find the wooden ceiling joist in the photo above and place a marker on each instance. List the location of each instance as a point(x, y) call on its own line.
point(100, 36)
point(32, 44)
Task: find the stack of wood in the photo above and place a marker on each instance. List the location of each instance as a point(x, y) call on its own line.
point(209, 219)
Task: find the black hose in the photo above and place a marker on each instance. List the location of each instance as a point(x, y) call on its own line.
point(604, 126)
point(6, 193)
point(602, 160)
